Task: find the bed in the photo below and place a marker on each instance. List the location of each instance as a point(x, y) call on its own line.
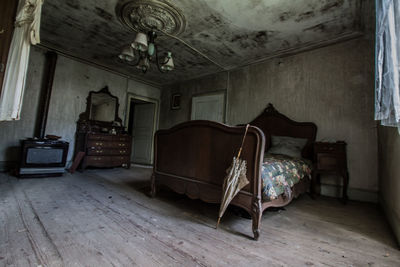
point(191, 158)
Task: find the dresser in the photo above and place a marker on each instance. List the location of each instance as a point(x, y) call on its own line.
point(100, 136)
point(330, 158)
point(106, 150)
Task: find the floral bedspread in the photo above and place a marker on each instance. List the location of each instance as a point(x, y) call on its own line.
point(280, 173)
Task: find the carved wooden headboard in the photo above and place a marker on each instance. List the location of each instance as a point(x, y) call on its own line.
point(271, 122)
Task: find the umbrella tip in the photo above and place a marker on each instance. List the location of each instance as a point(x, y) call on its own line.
point(219, 219)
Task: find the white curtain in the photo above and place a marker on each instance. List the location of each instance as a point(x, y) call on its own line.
point(26, 32)
point(387, 81)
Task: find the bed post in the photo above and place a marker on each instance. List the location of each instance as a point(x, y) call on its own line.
point(256, 217)
point(153, 185)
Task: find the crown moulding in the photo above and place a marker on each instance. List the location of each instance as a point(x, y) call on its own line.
point(146, 15)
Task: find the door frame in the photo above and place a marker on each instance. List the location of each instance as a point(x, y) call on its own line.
point(156, 102)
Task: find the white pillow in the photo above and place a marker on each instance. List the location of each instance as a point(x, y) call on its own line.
point(289, 146)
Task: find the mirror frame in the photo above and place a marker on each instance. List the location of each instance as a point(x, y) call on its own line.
point(86, 115)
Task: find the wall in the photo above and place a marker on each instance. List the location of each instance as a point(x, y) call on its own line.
point(331, 86)
point(140, 89)
point(72, 82)
point(13, 131)
point(188, 89)
point(389, 170)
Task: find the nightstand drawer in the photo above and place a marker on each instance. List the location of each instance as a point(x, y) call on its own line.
point(328, 162)
point(330, 148)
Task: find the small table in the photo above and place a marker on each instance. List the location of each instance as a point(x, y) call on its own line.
point(330, 158)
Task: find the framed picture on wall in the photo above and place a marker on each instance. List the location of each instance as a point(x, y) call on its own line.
point(176, 101)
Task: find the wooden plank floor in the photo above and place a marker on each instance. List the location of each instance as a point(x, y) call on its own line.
point(105, 218)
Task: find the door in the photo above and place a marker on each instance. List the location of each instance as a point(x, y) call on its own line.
point(142, 132)
point(208, 107)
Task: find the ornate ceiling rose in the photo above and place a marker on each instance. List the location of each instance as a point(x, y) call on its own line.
point(147, 15)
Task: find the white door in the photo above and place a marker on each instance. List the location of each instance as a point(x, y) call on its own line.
point(208, 107)
point(142, 133)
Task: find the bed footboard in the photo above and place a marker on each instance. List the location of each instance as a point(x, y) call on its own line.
point(191, 158)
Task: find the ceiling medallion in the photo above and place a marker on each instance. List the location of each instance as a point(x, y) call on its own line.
point(148, 15)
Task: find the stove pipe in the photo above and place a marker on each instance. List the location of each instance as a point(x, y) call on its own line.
point(44, 102)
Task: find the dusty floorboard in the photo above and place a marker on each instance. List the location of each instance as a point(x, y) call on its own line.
point(105, 218)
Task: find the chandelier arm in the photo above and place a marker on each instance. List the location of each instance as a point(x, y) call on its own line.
point(129, 63)
point(158, 63)
point(137, 62)
point(193, 48)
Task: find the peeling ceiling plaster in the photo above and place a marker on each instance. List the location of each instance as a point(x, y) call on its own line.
point(231, 32)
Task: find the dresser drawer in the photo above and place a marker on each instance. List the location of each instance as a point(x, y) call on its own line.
point(92, 144)
point(105, 161)
point(122, 138)
point(100, 137)
point(107, 151)
point(119, 160)
point(328, 162)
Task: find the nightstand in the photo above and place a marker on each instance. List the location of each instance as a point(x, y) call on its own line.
point(330, 158)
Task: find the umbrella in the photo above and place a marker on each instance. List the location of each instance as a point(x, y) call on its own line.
point(234, 181)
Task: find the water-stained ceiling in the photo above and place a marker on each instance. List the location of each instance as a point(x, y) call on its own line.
point(231, 32)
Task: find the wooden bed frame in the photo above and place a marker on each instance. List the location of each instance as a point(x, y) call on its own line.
point(191, 158)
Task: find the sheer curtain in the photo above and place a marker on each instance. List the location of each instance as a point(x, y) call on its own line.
point(387, 90)
point(26, 32)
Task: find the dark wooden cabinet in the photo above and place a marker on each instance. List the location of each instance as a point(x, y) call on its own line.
point(105, 150)
point(8, 9)
point(104, 143)
point(330, 158)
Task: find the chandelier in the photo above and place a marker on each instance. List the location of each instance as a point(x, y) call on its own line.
point(152, 16)
point(144, 51)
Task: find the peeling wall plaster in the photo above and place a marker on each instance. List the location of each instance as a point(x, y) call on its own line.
point(389, 157)
point(332, 87)
point(72, 82)
point(233, 32)
point(13, 131)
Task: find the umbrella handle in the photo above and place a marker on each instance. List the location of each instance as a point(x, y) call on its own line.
point(244, 137)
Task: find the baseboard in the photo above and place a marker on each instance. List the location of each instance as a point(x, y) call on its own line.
point(353, 193)
point(142, 166)
point(6, 166)
point(392, 217)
